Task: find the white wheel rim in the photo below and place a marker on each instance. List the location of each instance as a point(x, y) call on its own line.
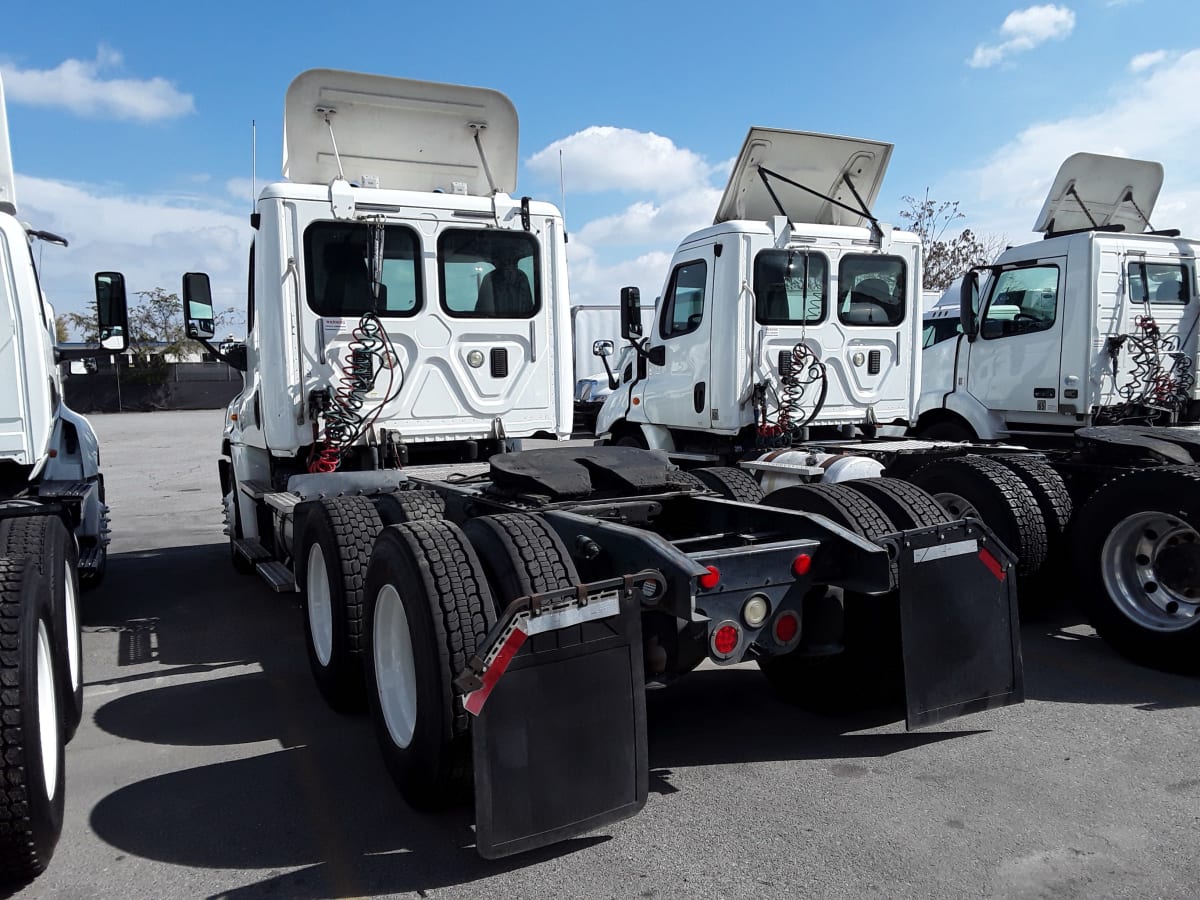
point(395, 669)
point(72, 617)
point(320, 607)
point(47, 710)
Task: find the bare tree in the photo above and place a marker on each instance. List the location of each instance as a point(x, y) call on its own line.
point(947, 254)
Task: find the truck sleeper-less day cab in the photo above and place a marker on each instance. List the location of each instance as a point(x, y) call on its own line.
point(1084, 344)
point(501, 612)
point(794, 322)
point(53, 537)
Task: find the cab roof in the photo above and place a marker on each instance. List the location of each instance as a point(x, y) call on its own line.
point(817, 161)
point(410, 135)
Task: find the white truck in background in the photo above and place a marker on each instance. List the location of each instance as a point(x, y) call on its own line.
point(53, 537)
point(501, 613)
point(791, 329)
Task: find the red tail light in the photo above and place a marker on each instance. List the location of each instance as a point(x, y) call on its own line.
point(787, 627)
point(711, 578)
point(801, 564)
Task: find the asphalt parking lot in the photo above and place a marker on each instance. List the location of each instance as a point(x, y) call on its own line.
point(208, 766)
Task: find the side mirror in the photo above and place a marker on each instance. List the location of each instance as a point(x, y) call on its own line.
point(603, 348)
point(631, 313)
point(968, 296)
point(112, 312)
point(199, 321)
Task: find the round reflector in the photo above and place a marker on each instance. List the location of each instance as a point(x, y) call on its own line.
point(787, 627)
point(725, 640)
point(711, 578)
point(801, 564)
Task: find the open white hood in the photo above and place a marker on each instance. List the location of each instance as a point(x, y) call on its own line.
point(817, 161)
point(1105, 184)
point(8, 187)
point(410, 135)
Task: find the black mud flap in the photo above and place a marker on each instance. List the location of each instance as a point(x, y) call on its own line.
point(559, 737)
point(959, 627)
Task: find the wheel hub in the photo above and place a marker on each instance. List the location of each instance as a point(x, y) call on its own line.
point(1151, 568)
point(957, 506)
point(320, 605)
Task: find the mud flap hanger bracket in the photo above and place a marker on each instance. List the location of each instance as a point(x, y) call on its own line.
point(540, 613)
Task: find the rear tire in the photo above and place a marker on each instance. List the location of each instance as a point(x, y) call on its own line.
point(979, 486)
point(409, 506)
point(32, 761)
point(868, 671)
point(1137, 553)
point(521, 555)
point(332, 557)
point(46, 541)
point(428, 611)
point(731, 483)
point(907, 505)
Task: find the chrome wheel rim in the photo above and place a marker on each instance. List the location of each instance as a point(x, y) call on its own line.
point(47, 710)
point(320, 605)
point(1151, 568)
point(395, 668)
point(74, 654)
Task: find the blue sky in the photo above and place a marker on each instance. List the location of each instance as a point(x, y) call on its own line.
point(130, 123)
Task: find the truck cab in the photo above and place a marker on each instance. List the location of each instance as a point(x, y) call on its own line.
point(403, 306)
point(1095, 324)
point(796, 308)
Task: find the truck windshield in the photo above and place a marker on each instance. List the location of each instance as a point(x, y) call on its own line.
point(871, 290)
point(1157, 283)
point(789, 287)
point(338, 274)
point(489, 274)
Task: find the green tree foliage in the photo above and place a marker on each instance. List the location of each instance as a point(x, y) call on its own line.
point(61, 332)
point(948, 254)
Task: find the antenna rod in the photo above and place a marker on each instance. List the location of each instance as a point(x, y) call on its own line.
point(253, 161)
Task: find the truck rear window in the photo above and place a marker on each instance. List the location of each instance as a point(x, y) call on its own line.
point(871, 290)
point(338, 274)
point(1158, 283)
point(489, 274)
point(790, 287)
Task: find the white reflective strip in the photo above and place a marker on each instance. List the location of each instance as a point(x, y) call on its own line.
point(608, 605)
point(958, 548)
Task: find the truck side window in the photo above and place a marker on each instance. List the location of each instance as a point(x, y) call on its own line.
point(684, 309)
point(489, 274)
point(790, 287)
point(871, 290)
point(338, 275)
point(1022, 301)
point(1157, 283)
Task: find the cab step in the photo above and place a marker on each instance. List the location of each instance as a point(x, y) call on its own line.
point(277, 575)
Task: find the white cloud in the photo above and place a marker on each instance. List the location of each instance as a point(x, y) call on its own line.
point(1150, 118)
point(1024, 29)
point(602, 158)
point(151, 239)
point(80, 86)
point(1144, 61)
point(646, 222)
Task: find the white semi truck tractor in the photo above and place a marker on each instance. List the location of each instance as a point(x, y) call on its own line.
point(1084, 345)
point(501, 611)
point(53, 537)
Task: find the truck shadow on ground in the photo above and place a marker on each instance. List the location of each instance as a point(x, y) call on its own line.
point(218, 660)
